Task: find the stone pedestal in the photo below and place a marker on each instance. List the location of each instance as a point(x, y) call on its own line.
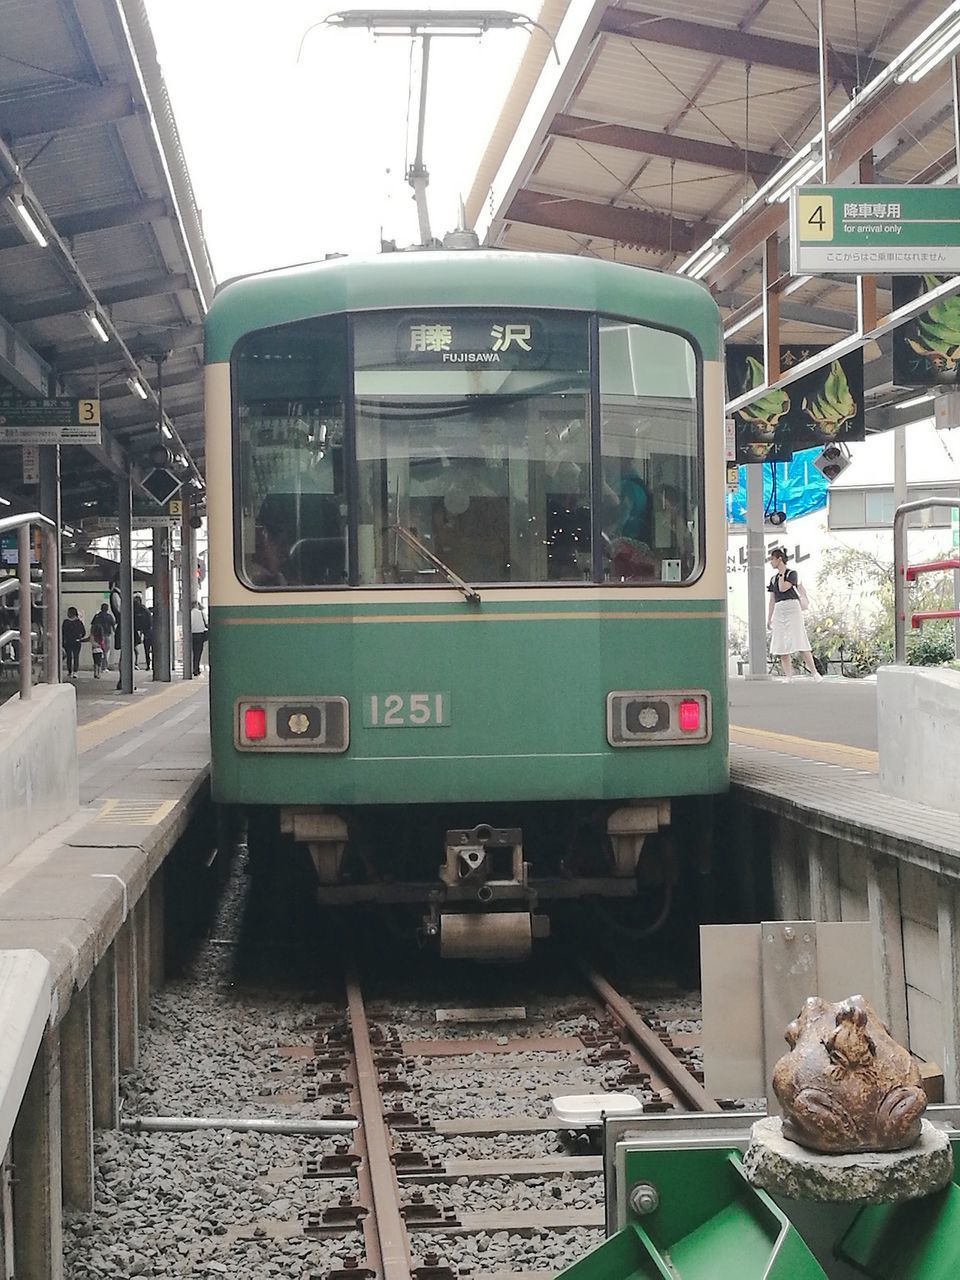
point(777, 1165)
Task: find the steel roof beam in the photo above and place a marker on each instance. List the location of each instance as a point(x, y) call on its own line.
point(92, 220)
point(641, 228)
point(727, 42)
point(152, 287)
point(673, 147)
point(142, 346)
point(27, 116)
point(22, 367)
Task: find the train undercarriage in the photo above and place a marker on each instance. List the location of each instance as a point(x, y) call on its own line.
point(482, 890)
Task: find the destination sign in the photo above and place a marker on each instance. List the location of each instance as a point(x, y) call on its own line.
point(49, 420)
point(866, 229)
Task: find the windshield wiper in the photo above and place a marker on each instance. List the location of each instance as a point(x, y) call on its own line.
point(471, 593)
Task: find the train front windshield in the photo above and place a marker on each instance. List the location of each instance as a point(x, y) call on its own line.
point(515, 446)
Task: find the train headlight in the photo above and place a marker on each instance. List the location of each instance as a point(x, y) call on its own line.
point(292, 724)
point(658, 717)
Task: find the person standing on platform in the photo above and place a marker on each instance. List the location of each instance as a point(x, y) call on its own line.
point(105, 624)
point(101, 628)
point(788, 632)
point(72, 633)
point(143, 628)
point(198, 633)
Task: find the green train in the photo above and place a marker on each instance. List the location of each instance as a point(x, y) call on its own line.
point(467, 579)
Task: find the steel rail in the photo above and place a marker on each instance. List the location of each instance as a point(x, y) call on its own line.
point(237, 1124)
point(390, 1229)
point(677, 1076)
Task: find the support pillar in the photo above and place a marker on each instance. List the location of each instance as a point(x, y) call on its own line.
point(128, 1026)
point(786, 887)
point(756, 575)
point(50, 507)
point(76, 1103)
point(824, 871)
point(141, 917)
point(103, 1028)
point(948, 935)
point(156, 891)
point(188, 580)
point(37, 1193)
point(883, 899)
point(162, 647)
point(125, 512)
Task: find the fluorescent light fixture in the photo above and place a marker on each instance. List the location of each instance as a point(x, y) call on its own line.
point(716, 253)
point(137, 388)
point(795, 179)
point(26, 217)
point(165, 431)
point(5, 502)
point(73, 570)
point(908, 404)
point(96, 326)
point(932, 53)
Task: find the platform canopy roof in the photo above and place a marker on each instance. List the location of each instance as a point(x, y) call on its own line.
point(89, 145)
point(655, 127)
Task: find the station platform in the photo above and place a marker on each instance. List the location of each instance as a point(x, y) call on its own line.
point(144, 763)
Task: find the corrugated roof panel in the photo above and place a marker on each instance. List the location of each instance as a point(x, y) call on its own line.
point(696, 188)
point(643, 84)
point(569, 165)
point(849, 26)
point(37, 39)
point(81, 170)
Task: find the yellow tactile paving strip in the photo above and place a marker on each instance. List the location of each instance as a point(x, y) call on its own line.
point(806, 748)
point(140, 813)
point(134, 713)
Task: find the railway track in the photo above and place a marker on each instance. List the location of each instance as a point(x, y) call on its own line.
point(404, 1155)
point(454, 1164)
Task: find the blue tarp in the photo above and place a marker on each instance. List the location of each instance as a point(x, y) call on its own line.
point(800, 488)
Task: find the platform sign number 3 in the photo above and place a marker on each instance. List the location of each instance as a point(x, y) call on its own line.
point(815, 217)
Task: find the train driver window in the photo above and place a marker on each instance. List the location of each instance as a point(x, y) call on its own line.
point(289, 387)
point(473, 436)
point(650, 463)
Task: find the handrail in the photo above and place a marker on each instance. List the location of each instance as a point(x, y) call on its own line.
point(51, 578)
point(900, 574)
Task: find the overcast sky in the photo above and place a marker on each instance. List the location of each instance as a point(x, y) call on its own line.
point(294, 160)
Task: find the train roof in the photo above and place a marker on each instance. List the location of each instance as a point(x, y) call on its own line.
point(473, 277)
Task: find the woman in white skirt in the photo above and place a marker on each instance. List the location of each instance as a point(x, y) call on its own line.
point(788, 634)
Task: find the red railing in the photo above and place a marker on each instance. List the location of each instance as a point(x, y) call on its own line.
point(904, 573)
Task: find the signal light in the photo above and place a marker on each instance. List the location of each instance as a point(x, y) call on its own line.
point(688, 715)
point(254, 724)
point(833, 461)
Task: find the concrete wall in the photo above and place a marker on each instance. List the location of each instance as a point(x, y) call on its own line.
point(918, 724)
point(39, 771)
point(914, 910)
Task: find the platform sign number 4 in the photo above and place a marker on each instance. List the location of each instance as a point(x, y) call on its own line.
point(815, 217)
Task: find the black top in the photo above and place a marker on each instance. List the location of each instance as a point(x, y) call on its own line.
point(778, 595)
point(72, 630)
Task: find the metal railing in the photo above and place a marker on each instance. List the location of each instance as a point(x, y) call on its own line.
point(21, 583)
point(903, 574)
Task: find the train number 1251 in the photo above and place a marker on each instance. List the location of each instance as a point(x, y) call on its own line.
point(406, 710)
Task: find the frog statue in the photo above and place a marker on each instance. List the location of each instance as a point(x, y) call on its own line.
point(846, 1085)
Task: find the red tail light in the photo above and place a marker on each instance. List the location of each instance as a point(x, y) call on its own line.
point(689, 716)
point(254, 724)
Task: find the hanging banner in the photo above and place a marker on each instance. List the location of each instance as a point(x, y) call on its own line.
point(926, 350)
point(823, 407)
